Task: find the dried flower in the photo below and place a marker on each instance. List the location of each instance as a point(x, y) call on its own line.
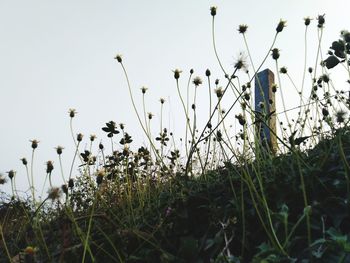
point(144, 89)
point(24, 161)
point(280, 26)
point(150, 115)
point(64, 188)
point(213, 11)
point(177, 73)
point(321, 20)
point(49, 166)
point(307, 21)
point(118, 58)
point(72, 112)
point(197, 81)
point(219, 92)
point(241, 61)
point(2, 179)
point(34, 144)
point(275, 53)
point(162, 100)
point(99, 176)
point(11, 174)
point(207, 73)
point(242, 29)
point(79, 137)
point(59, 150)
point(283, 70)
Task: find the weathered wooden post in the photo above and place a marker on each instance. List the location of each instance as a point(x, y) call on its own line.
point(265, 107)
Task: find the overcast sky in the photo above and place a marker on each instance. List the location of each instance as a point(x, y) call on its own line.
point(56, 55)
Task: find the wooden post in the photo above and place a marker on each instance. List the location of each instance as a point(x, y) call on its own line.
point(265, 106)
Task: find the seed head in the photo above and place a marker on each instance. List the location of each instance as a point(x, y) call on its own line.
point(2, 179)
point(219, 92)
point(307, 21)
point(24, 161)
point(100, 146)
point(242, 29)
point(283, 70)
point(144, 89)
point(150, 115)
point(310, 69)
point(321, 20)
point(274, 88)
point(11, 174)
point(79, 137)
point(162, 100)
point(280, 26)
point(177, 73)
point(118, 58)
point(217, 82)
point(99, 176)
point(72, 112)
point(34, 143)
point(59, 150)
point(213, 11)
point(54, 193)
point(275, 53)
point(121, 126)
point(92, 137)
point(207, 73)
point(49, 166)
point(197, 81)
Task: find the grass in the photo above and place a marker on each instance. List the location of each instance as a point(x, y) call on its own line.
point(217, 197)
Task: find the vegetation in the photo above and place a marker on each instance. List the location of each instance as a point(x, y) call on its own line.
point(219, 198)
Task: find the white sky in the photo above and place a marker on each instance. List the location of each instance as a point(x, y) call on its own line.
point(56, 55)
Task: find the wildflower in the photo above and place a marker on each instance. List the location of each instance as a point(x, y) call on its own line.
point(144, 89)
point(59, 150)
point(54, 193)
point(11, 174)
point(213, 11)
point(283, 70)
point(79, 137)
point(242, 29)
point(72, 112)
point(241, 61)
point(24, 161)
point(34, 144)
point(110, 129)
point(177, 73)
point(49, 166)
point(307, 21)
point(207, 73)
point(321, 21)
point(275, 53)
point(118, 58)
point(219, 92)
point(100, 146)
point(240, 119)
point(197, 81)
point(280, 26)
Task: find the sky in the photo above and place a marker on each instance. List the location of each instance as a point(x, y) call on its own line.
point(57, 55)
